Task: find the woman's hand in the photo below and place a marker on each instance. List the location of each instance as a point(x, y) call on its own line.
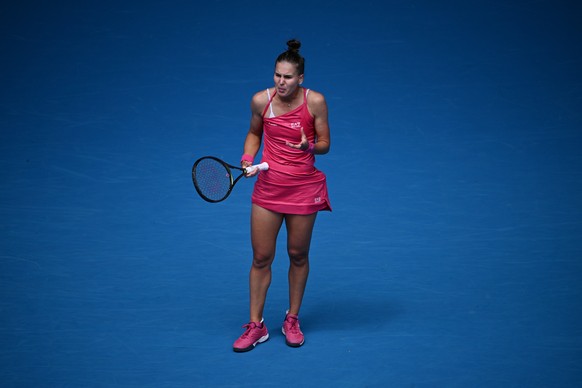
point(245, 164)
point(303, 146)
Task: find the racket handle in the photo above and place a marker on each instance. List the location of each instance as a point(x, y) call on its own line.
point(262, 167)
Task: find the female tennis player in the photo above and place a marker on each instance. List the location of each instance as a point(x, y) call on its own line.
point(292, 123)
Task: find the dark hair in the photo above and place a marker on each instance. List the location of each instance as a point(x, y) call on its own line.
point(292, 55)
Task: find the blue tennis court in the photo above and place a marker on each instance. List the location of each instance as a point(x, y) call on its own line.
point(452, 257)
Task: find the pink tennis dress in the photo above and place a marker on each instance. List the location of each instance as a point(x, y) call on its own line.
point(292, 184)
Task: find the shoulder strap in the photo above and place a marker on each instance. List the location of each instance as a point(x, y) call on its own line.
point(269, 105)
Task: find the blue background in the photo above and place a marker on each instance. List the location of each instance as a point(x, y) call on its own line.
point(453, 254)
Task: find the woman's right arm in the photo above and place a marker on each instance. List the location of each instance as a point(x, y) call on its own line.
point(255, 134)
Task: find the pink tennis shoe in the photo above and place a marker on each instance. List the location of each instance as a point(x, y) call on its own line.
point(254, 334)
point(293, 335)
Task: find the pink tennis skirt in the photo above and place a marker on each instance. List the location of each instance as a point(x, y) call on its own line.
point(291, 193)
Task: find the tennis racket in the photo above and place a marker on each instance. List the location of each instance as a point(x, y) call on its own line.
point(213, 177)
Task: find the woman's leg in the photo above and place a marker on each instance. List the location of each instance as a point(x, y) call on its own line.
point(299, 231)
point(265, 226)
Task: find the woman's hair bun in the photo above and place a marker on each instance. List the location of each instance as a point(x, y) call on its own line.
point(292, 55)
point(294, 45)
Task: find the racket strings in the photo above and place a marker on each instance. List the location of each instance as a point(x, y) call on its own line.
point(213, 179)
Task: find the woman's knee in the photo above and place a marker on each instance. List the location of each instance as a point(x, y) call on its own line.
point(262, 261)
point(298, 257)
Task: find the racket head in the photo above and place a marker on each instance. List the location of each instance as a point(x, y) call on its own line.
point(212, 179)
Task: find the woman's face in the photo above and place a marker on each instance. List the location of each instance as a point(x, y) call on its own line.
point(286, 79)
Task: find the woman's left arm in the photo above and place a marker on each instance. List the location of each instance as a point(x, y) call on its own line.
point(318, 107)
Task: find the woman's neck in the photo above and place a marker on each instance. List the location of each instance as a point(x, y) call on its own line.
point(288, 101)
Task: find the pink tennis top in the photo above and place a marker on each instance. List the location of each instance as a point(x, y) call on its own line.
point(292, 184)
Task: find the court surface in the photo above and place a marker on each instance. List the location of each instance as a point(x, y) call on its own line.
point(452, 257)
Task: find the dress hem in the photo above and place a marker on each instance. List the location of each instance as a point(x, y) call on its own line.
point(294, 209)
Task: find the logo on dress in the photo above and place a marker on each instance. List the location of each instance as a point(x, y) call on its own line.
point(317, 199)
point(296, 125)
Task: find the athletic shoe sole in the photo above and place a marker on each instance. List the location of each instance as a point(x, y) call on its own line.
point(252, 346)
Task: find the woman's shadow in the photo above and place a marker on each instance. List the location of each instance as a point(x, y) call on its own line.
point(351, 313)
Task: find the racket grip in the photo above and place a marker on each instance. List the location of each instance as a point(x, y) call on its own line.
point(262, 167)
